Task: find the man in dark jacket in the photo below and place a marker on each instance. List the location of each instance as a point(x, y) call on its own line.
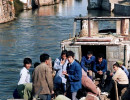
point(87, 63)
point(74, 75)
point(100, 68)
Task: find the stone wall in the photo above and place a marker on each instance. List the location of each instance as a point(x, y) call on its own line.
point(7, 12)
point(104, 4)
point(109, 4)
point(115, 5)
point(94, 4)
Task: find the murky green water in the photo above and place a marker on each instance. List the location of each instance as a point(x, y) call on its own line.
point(33, 33)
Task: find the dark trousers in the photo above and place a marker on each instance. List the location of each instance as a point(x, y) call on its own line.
point(102, 77)
point(69, 94)
point(45, 97)
point(72, 95)
point(59, 88)
point(119, 86)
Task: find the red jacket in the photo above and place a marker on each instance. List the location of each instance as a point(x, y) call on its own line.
point(88, 83)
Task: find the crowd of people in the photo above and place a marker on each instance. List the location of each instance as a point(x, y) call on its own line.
point(68, 77)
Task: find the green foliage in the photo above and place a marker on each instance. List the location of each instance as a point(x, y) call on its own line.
point(9, 2)
point(18, 5)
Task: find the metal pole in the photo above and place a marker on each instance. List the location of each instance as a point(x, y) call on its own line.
point(81, 23)
point(125, 56)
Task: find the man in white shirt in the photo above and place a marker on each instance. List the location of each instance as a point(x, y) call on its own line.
point(24, 87)
point(120, 77)
point(60, 65)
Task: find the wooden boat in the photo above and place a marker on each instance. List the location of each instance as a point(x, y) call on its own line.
point(114, 46)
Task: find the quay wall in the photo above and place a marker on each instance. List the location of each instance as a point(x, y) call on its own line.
point(7, 11)
point(110, 5)
point(122, 9)
point(28, 4)
point(106, 5)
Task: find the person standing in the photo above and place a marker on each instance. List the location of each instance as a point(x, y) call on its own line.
point(74, 75)
point(42, 78)
point(100, 69)
point(24, 87)
point(60, 65)
point(87, 63)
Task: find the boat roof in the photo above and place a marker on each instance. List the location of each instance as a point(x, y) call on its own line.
point(97, 39)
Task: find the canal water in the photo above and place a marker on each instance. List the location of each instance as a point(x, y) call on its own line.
point(35, 32)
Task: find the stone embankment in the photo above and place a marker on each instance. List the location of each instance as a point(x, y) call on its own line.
point(28, 4)
point(8, 7)
point(46, 2)
point(121, 7)
point(7, 11)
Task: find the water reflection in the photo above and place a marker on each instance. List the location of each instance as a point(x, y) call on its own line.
point(47, 11)
point(78, 0)
point(100, 13)
point(65, 8)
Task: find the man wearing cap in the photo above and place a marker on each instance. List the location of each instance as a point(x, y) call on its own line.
point(120, 77)
point(123, 67)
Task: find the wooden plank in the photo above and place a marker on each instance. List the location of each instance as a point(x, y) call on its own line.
point(118, 27)
point(116, 91)
point(16, 99)
point(96, 43)
point(102, 18)
point(94, 40)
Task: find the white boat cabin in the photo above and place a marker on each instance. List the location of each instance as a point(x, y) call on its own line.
point(114, 44)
